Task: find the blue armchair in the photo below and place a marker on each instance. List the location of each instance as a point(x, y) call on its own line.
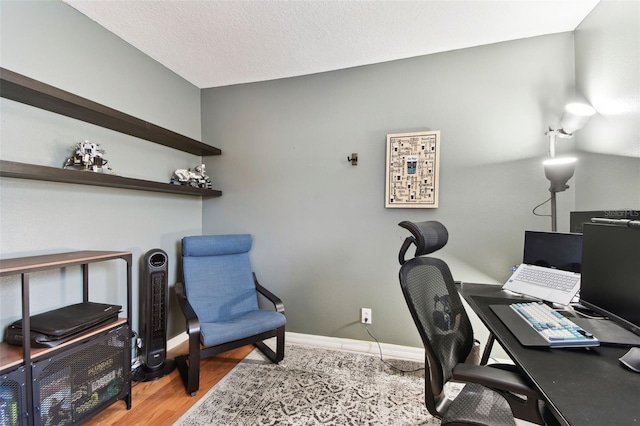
point(219, 299)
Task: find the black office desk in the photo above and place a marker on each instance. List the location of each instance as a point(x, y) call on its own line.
point(581, 386)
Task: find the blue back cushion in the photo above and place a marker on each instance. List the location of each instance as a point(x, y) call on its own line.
point(217, 276)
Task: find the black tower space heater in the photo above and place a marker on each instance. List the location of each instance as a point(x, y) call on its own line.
point(155, 299)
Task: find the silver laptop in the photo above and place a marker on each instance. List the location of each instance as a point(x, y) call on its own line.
point(551, 265)
point(552, 285)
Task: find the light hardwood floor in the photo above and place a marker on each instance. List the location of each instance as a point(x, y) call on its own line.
point(161, 402)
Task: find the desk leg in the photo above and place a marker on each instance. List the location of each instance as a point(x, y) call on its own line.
point(487, 349)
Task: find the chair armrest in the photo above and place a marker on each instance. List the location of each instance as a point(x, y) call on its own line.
point(270, 296)
point(193, 323)
point(493, 378)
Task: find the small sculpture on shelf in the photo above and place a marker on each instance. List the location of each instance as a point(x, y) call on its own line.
point(197, 178)
point(90, 157)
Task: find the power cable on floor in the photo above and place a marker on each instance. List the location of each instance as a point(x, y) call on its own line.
point(366, 325)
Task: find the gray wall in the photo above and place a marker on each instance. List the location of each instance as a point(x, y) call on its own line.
point(323, 239)
point(608, 75)
point(54, 43)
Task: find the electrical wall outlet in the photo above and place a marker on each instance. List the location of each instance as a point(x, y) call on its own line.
point(365, 316)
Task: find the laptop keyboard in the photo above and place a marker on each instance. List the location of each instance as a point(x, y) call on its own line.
point(549, 278)
point(557, 330)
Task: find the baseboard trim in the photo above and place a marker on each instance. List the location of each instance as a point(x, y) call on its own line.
point(176, 341)
point(338, 343)
point(359, 346)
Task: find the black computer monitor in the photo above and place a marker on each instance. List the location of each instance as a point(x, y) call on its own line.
point(553, 250)
point(610, 283)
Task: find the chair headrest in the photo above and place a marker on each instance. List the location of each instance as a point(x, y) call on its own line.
point(216, 245)
point(428, 237)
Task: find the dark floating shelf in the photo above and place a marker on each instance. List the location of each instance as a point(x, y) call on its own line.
point(51, 174)
point(28, 91)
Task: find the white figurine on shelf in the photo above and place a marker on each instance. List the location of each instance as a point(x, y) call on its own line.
point(197, 178)
point(89, 157)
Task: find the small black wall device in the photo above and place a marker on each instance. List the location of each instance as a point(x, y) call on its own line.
point(153, 322)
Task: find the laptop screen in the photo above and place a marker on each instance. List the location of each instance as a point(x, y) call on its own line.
point(553, 250)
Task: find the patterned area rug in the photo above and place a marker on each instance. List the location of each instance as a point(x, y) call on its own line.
point(314, 386)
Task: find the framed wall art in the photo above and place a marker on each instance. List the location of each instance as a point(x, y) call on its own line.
point(413, 166)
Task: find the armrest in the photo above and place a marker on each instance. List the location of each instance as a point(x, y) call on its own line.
point(270, 296)
point(493, 378)
point(193, 323)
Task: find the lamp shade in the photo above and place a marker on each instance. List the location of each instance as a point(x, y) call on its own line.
point(559, 171)
point(575, 117)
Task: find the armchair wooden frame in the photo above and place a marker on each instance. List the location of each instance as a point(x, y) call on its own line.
point(189, 365)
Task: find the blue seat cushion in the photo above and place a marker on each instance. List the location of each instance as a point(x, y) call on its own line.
point(246, 325)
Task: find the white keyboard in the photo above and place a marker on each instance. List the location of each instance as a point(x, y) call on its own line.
point(558, 331)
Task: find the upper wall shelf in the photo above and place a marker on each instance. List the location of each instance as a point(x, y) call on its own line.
point(32, 92)
point(28, 91)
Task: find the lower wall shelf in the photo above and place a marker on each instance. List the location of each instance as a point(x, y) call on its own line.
point(51, 174)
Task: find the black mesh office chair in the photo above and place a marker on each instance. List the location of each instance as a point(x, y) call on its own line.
point(493, 396)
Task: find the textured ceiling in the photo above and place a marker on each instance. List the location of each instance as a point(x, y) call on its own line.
point(219, 43)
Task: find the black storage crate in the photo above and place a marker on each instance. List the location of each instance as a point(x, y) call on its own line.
point(76, 383)
point(13, 398)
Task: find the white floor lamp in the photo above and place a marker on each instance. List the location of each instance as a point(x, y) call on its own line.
point(558, 170)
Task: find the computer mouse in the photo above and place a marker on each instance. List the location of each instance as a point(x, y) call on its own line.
point(632, 359)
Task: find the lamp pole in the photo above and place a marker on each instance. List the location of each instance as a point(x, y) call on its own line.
point(552, 153)
point(554, 217)
point(552, 141)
